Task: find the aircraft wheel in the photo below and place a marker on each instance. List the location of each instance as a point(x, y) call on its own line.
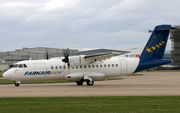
point(79, 83)
point(90, 83)
point(16, 84)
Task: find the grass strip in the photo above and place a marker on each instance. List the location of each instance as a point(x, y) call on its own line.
point(124, 104)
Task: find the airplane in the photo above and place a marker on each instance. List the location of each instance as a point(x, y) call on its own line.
point(87, 68)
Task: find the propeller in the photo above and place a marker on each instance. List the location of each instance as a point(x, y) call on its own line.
point(47, 56)
point(66, 56)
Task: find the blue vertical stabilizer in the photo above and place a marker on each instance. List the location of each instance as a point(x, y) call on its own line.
point(157, 42)
point(154, 49)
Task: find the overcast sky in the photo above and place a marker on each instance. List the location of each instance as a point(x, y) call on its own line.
point(83, 24)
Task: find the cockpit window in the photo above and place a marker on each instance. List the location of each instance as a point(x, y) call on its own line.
point(20, 66)
point(16, 65)
point(25, 65)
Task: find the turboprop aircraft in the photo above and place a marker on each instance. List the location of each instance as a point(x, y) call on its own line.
point(88, 68)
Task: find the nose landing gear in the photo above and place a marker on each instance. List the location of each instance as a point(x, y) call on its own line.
point(16, 83)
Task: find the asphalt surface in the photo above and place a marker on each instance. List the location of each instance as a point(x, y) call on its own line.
point(148, 84)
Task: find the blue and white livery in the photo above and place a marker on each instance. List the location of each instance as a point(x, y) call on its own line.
point(88, 68)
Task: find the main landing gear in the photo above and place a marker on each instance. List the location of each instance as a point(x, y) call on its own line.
point(16, 83)
point(90, 83)
point(88, 80)
point(79, 83)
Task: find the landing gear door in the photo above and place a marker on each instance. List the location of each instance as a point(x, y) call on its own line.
point(123, 67)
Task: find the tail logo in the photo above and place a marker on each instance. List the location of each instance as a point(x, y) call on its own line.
point(153, 48)
point(157, 46)
point(148, 50)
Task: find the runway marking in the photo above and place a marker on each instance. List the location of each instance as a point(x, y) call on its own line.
point(102, 90)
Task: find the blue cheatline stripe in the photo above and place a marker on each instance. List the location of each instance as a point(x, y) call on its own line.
point(150, 63)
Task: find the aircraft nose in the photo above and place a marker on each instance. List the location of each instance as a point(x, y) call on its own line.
point(6, 74)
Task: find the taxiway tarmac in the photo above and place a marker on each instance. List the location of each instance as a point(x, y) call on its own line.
point(148, 84)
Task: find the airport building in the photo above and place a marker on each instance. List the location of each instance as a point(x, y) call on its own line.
point(7, 59)
point(175, 41)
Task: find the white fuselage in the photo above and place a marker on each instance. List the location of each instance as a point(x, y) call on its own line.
point(55, 69)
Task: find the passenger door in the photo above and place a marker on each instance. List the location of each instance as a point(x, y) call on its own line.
point(123, 66)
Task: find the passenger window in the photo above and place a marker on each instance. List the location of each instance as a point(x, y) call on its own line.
point(84, 66)
point(52, 67)
point(92, 66)
point(97, 66)
point(80, 66)
point(60, 67)
point(64, 67)
point(77, 67)
point(89, 66)
point(112, 65)
point(72, 67)
point(104, 65)
point(20, 66)
point(25, 66)
point(116, 65)
point(101, 66)
point(56, 67)
point(108, 65)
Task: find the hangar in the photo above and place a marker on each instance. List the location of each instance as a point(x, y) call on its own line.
point(7, 59)
point(175, 44)
point(11, 57)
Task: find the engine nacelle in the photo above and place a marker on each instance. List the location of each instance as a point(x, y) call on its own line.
point(79, 60)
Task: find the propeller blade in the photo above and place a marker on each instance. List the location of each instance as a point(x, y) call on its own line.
point(47, 56)
point(66, 56)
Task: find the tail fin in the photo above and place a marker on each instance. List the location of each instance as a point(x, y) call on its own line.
point(157, 42)
point(153, 51)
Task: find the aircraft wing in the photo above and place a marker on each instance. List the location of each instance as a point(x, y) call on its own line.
point(87, 59)
point(100, 56)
